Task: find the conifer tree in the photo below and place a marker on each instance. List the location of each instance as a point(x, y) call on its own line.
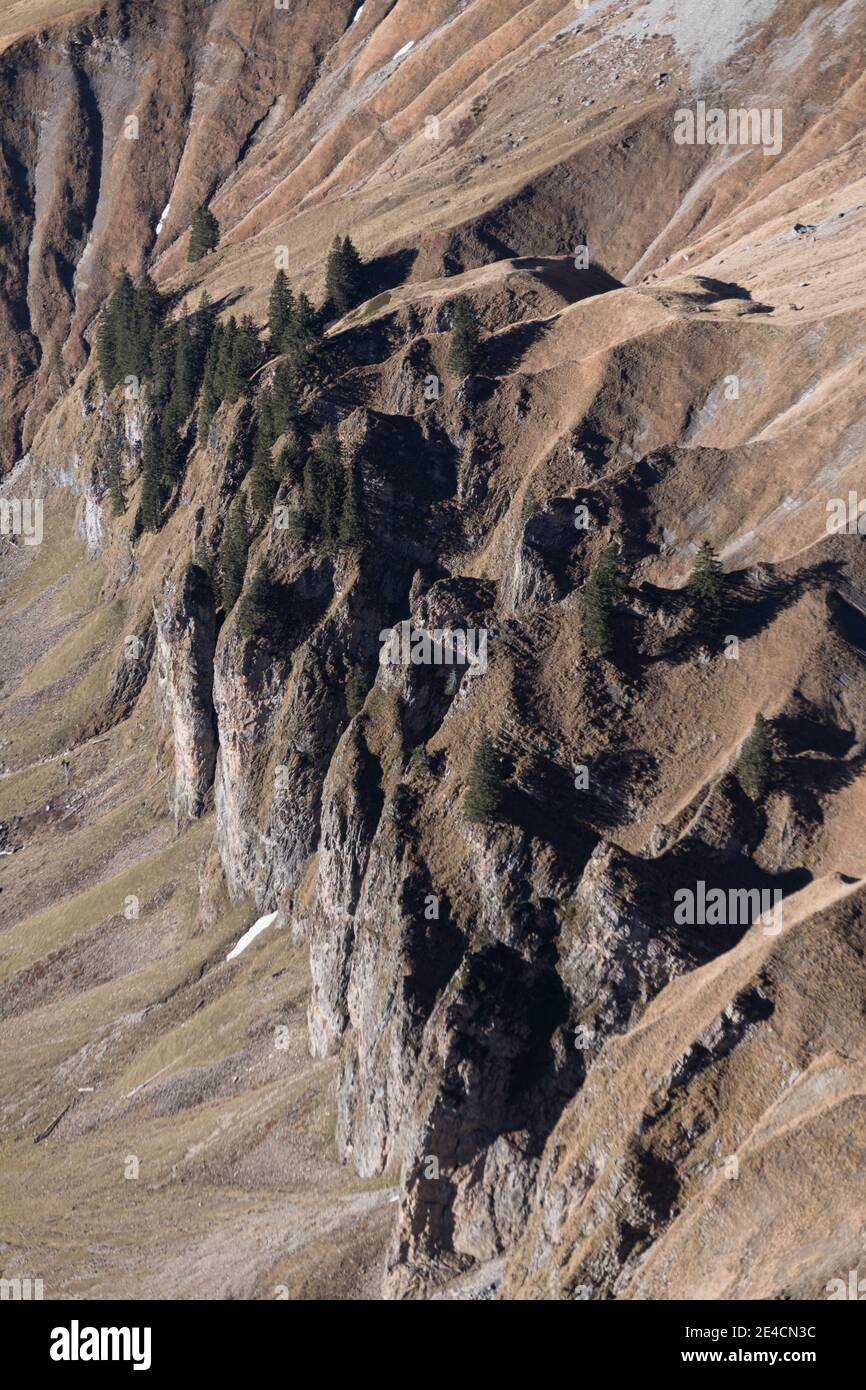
point(209, 396)
point(123, 313)
point(204, 234)
point(755, 763)
point(706, 589)
point(245, 359)
point(353, 272)
point(233, 553)
point(163, 358)
point(262, 483)
point(464, 354)
point(311, 495)
point(280, 307)
point(255, 607)
point(334, 277)
point(284, 399)
point(302, 335)
point(350, 531)
point(151, 495)
point(485, 787)
point(204, 321)
point(106, 351)
point(343, 275)
point(288, 463)
point(184, 384)
point(331, 481)
point(266, 432)
point(224, 356)
point(263, 489)
point(604, 589)
point(169, 445)
point(116, 338)
point(148, 311)
point(115, 477)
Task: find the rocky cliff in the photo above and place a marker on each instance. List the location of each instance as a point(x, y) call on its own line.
point(503, 1022)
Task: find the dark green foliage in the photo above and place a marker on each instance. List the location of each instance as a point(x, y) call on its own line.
point(128, 328)
point(184, 382)
point(169, 445)
point(135, 341)
point(755, 763)
point(246, 356)
point(255, 607)
point(263, 489)
point(284, 400)
point(163, 356)
point(265, 431)
point(302, 335)
point(353, 272)
point(334, 285)
point(204, 234)
point(311, 497)
point(225, 349)
point(605, 587)
point(324, 486)
point(233, 553)
point(115, 477)
point(280, 307)
point(151, 469)
point(148, 312)
point(106, 352)
point(706, 590)
point(209, 396)
point(288, 463)
point(344, 275)
point(204, 321)
point(298, 528)
point(464, 354)
point(351, 529)
point(356, 694)
point(485, 788)
point(116, 343)
point(330, 482)
point(263, 484)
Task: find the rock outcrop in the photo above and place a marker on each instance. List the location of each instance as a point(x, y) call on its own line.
point(511, 1025)
point(186, 637)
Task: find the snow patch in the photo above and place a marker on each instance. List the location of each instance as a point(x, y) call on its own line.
point(163, 215)
point(401, 52)
point(255, 930)
point(358, 14)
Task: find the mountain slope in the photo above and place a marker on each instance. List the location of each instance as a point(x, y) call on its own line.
point(505, 1066)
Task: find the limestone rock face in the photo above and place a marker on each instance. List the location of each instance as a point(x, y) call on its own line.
point(247, 692)
point(542, 551)
point(540, 1074)
point(186, 637)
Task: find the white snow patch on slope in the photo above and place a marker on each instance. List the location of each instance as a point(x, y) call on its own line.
point(163, 215)
point(255, 930)
point(358, 14)
point(401, 52)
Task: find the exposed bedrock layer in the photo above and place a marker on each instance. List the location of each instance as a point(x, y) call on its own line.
point(554, 1069)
